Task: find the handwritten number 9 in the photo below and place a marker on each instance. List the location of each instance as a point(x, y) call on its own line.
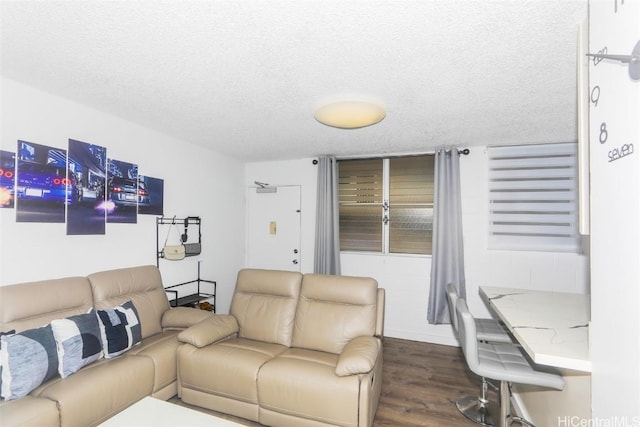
point(595, 95)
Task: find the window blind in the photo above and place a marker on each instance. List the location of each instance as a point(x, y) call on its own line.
point(411, 204)
point(360, 198)
point(533, 197)
point(360, 181)
point(386, 204)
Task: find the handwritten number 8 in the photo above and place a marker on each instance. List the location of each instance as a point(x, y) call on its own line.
point(603, 133)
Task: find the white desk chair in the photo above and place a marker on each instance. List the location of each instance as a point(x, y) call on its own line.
point(501, 362)
point(478, 408)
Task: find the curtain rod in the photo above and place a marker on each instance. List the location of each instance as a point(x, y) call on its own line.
point(464, 151)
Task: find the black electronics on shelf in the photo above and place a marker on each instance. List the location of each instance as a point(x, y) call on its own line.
point(191, 249)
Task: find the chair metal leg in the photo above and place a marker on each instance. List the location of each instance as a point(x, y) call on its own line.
point(479, 409)
point(505, 404)
point(506, 419)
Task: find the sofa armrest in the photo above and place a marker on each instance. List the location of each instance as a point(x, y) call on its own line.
point(183, 317)
point(210, 330)
point(358, 356)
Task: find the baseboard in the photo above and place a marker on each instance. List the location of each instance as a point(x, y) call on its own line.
point(449, 340)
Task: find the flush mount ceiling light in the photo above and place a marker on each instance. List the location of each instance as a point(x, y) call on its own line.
point(350, 114)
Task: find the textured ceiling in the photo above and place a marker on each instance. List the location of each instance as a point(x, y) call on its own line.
point(245, 77)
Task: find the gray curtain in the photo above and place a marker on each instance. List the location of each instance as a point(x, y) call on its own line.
point(327, 245)
point(447, 261)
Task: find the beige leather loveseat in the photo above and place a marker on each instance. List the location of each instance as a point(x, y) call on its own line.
point(294, 351)
point(104, 387)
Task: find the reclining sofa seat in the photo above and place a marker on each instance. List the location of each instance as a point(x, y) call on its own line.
point(143, 286)
point(54, 299)
point(100, 390)
point(321, 377)
point(91, 395)
point(303, 350)
point(223, 377)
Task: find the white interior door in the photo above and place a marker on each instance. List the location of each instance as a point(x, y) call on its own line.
point(273, 228)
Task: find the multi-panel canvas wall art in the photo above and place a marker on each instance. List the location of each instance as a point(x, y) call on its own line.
point(7, 178)
point(155, 190)
point(88, 163)
point(42, 188)
point(79, 186)
point(123, 192)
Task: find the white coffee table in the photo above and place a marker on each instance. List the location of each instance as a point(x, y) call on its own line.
point(158, 413)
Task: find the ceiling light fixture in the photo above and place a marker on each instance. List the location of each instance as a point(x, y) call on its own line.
point(350, 114)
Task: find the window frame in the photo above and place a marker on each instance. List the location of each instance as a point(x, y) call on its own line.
point(386, 206)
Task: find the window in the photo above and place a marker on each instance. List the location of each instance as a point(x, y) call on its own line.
point(386, 205)
point(361, 204)
point(533, 197)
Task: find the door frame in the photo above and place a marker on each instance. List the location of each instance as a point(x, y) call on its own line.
point(253, 188)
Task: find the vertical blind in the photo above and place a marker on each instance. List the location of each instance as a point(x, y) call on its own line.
point(533, 197)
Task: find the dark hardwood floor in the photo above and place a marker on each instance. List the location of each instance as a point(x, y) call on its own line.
point(420, 385)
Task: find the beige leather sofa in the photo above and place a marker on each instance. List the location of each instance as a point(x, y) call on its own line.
point(100, 390)
point(294, 351)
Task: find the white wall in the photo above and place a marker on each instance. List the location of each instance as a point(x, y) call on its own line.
point(200, 182)
point(406, 278)
point(196, 182)
point(615, 218)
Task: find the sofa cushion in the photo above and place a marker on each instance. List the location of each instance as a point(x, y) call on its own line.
point(78, 341)
point(29, 358)
point(229, 368)
point(29, 411)
point(141, 285)
point(264, 303)
point(99, 390)
point(302, 383)
point(119, 328)
point(31, 305)
point(161, 349)
point(333, 310)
